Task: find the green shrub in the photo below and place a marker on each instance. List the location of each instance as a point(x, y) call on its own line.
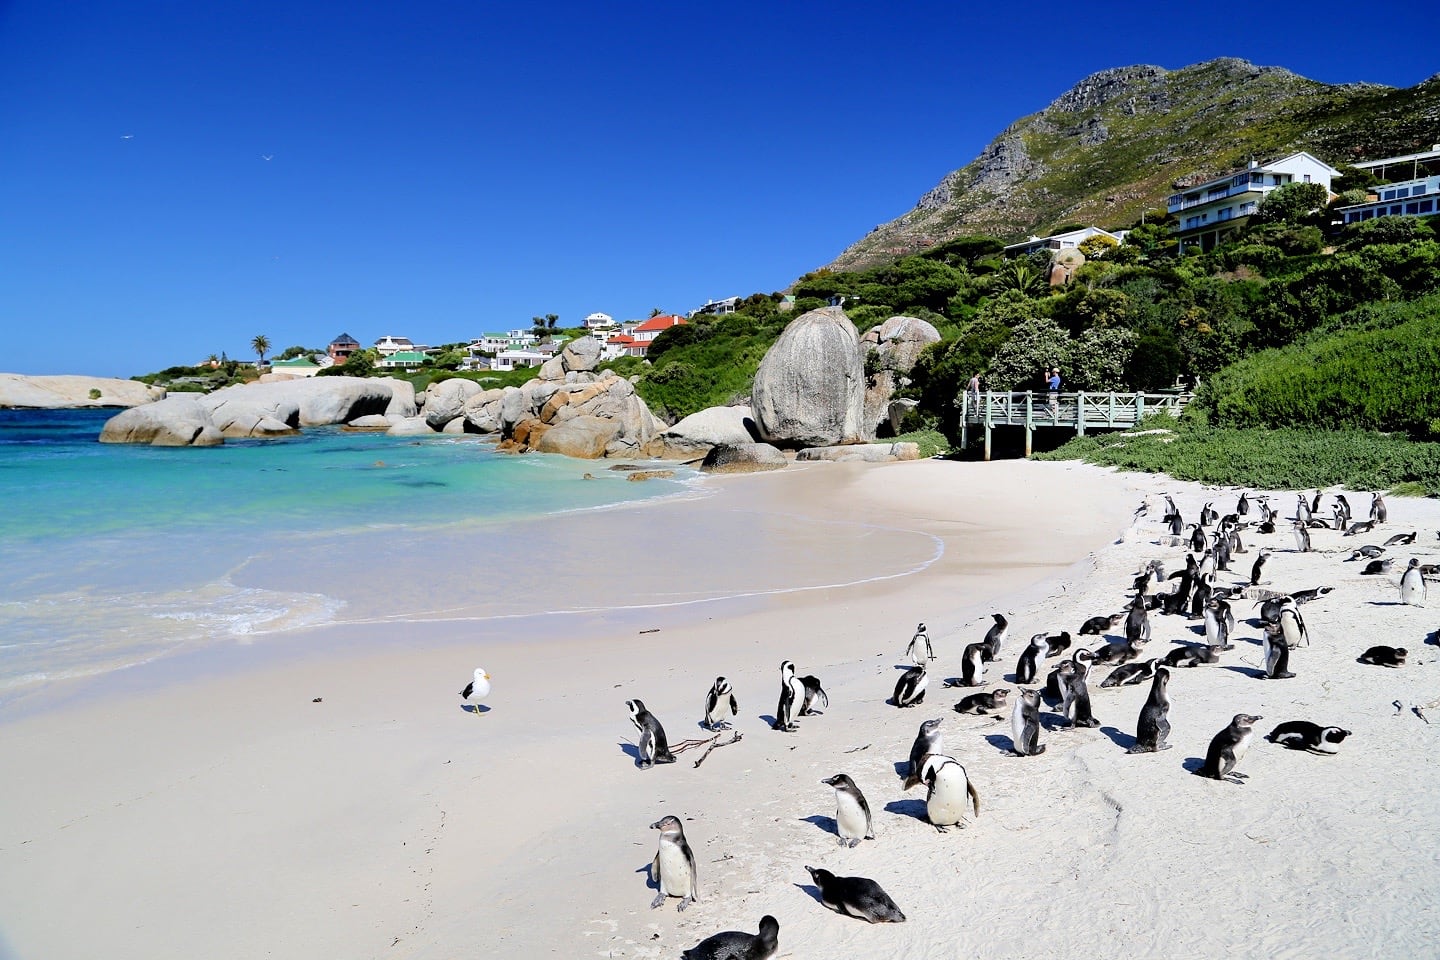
point(932, 442)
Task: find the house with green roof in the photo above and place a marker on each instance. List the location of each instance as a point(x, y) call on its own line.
point(402, 360)
point(295, 367)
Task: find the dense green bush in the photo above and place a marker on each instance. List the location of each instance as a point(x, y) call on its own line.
point(1266, 459)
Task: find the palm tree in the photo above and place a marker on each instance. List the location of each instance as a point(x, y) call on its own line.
point(261, 346)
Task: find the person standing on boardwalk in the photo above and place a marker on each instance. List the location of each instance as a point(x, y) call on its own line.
point(973, 389)
point(1053, 382)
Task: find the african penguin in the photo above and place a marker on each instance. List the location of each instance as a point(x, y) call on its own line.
point(719, 703)
point(950, 792)
point(1154, 724)
point(1228, 747)
point(1304, 735)
point(673, 869)
point(910, 688)
point(858, 897)
point(653, 747)
point(852, 813)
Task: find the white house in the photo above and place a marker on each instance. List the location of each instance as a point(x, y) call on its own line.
point(510, 359)
point(1213, 211)
point(717, 307)
point(1061, 241)
point(600, 321)
point(387, 345)
point(1417, 195)
point(297, 367)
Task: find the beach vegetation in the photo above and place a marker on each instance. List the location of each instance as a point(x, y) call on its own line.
point(261, 345)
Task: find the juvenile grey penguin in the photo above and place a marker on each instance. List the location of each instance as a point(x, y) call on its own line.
point(972, 666)
point(792, 695)
point(1258, 566)
point(858, 897)
point(852, 813)
point(1025, 724)
point(653, 747)
point(719, 704)
point(927, 741)
point(1277, 654)
point(1228, 747)
point(1412, 585)
point(983, 703)
point(919, 651)
point(1076, 703)
point(1153, 727)
point(737, 945)
point(1029, 663)
point(1383, 656)
point(1304, 735)
point(995, 636)
point(673, 868)
point(910, 688)
point(1302, 537)
point(951, 792)
point(1378, 513)
point(814, 693)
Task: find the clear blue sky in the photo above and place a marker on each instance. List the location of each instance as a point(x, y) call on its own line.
point(441, 169)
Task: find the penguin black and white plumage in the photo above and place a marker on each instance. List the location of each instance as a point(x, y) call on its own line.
point(1117, 652)
point(858, 897)
point(1208, 514)
point(1302, 511)
point(1292, 625)
point(1412, 585)
point(1137, 622)
point(1401, 540)
point(1096, 626)
point(951, 792)
point(852, 813)
point(1377, 567)
point(1200, 596)
point(1315, 502)
point(673, 868)
point(1076, 705)
point(1153, 727)
point(1025, 724)
point(1378, 513)
point(1343, 505)
point(1197, 538)
point(1028, 665)
point(738, 945)
point(814, 694)
point(1277, 654)
point(719, 704)
point(995, 636)
point(919, 651)
point(1304, 735)
point(1383, 656)
point(910, 688)
point(1228, 747)
point(1191, 655)
point(927, 741)
point(1131, 674)
point(653, 747)
point(1355, 529)
point(1367, 552)
point(792, 695)
point(1242, 506)
point(1217, 629)
point(972, 666)
point(1258, 567)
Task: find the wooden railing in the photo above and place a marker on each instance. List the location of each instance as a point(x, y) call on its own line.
point(1074, 411)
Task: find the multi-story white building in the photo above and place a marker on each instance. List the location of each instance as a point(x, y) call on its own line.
point(600, 321)
point(1415, 195)
point(1061, 241)
point(387, 345)
point(1212, 212)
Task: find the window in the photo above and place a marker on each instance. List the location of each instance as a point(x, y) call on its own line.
point(1427, 205)
point(1412, 208)
point(1307, 178)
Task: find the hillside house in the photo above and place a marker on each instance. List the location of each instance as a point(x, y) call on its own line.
point(597, 322)
point(402, 360)
point(295, 367)
point(342, 348)
point(1212, 212)
point(636, 343)
point(1060, 241)
point(1413, 189)
point(717, 307)
point(510, 359)
point(388, 345)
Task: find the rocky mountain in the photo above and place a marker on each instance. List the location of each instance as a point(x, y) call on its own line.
point(1120, 141)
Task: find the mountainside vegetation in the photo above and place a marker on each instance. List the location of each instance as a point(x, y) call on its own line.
point(1122, 140)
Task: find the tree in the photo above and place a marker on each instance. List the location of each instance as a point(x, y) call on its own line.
point(655, 311)
point(1295, 203)
point(1035, 345)
point(1098, 246)
point(261, 346)
point(551, 319)
point(1020, 276)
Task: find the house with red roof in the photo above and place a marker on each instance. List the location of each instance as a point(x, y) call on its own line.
point(636, 342)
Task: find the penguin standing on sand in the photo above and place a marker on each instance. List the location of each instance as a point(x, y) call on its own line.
point(1412, 585)
point(919, 651)
point(1259, 566)
point(1154, 725)
point(995, 636)
point(653, 748)
point(1025, 724)
point(1378, 513)
point(951, 791)
point(673, 868)
point(1028, 665)
point(719, 703)
point(1302, 537)
point(972, 666)
point(792, 695)
point(1277, 653)
point(852, 813)
point(1228, 747)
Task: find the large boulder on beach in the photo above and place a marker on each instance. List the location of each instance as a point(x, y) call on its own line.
point(743, 458)
point(581, 436)
point(581, 355)
point(62, 392)
point(711, 427)
point(810, 388)
point(402, 398)
point(445, 401)
point(176, 421)
point(899, 341)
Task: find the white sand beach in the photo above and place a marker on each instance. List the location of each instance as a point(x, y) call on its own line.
point(212, 808)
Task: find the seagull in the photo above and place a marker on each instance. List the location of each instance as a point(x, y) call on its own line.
point(477, 689)
point(127, 136)
point(267, 156)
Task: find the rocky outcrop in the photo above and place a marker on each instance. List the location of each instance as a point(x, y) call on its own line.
point(710, 427)
point(582, 436)
point(446, 400)
point(895, 345)
point(810, 387)
point(62, 392)
point(743, 458)
point(254, 410)
point(178, 421)
point(867, 452)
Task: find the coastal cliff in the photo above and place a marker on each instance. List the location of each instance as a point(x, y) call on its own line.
point(62, 392)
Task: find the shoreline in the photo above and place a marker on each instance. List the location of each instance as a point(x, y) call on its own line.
point(229, 815)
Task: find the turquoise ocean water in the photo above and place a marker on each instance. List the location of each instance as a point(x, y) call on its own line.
point(112, 555)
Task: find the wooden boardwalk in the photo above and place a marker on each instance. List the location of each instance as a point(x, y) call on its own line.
point(1071, 411)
